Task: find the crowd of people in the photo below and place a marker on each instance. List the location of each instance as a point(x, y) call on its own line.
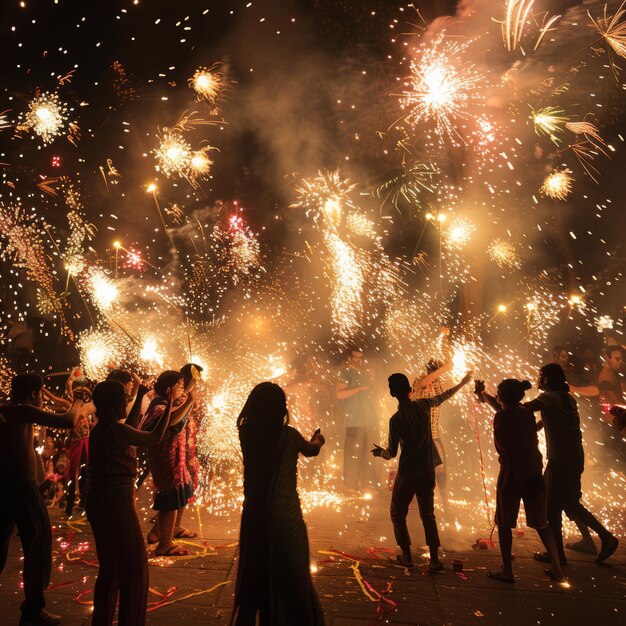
point(108, 426)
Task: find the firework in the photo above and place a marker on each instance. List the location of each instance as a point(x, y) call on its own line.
point(348, 276)
point(150, 354)
point(46, 116)
point(558, 184)
point(361, 225)
point(458, 234)
point(503, 253)
point(549, 121)
point(207, 83)
point(200, 163)
point(102, 290)
point(604, 322)
point(174, 154)
point(327, 196)
point(101, 350)
point(244, 247)
point(613, 29)
point(438, 89)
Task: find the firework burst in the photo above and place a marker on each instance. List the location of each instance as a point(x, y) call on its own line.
point(613, 29)
point(326, 196)
point(549, 121)
point(207, 82)
point(47, 116)
point(174, 154)
point(558, 184)
point(458, 233)
point(439, 88)
point(503, 253)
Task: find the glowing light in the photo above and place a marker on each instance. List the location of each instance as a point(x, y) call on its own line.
point(459, 232)
point(503, 253)
point(440, 87)
point(103, 290)
point(116, 244)
point(150, 352)
point(151, 188)
point(200, 163)
point(174, 154)
point(502, 308)
point(207, 83)
point(549, 121)
point(558, 184)
point(604, 322)
point(47, 116)
point(613, 29)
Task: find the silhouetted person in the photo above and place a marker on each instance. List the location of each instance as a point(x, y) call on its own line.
point(410, 428)
point(609, 380)
point(566, 460)
point(123, 564)
point(273, 577)
point(22, 504)
point(519, 478)
point(353, 388)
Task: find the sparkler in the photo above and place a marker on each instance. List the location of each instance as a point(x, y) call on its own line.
point(47, 115)
point(613, 29)
point(207, 83)
point(458, 234)
point(549, 121)
point(558, 184)
point(440, 87)
point(327, 196)
point(503, 253)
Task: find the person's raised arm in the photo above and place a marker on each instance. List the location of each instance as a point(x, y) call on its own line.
point(35, 415)
point(183, 410)
point(442, 397)
point(126, 435)
point(588, 391)
point(426, 380)
point(313, 447)
point(491, 401)
point(343, 392)
point(133, 394)
point(56, 401)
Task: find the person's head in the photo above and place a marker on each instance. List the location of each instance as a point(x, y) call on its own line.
point(170, 379)
point(109, 396)
point(614, 357)
point(399, 386)
point(560, 355)
point(187, 371)
point(27, 389)
point(433, 365)
point(356, 358)
point(511, 391)
point(265, 408)
point(123, 377)
point(552, 378)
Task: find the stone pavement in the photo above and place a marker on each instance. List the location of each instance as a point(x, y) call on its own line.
point(198, 590)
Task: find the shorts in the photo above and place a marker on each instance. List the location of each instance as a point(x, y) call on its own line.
point(509, 496)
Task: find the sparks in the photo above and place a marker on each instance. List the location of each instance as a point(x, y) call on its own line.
point(558, 184)
point(47, 116)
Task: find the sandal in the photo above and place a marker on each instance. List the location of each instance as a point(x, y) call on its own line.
point(581, 546)
point(496, 574)
point(607, 549)
point(173, 551)
point(436, 569)
point(544, 558)
point(550, 574)
point(184, 533)
point(401, 560)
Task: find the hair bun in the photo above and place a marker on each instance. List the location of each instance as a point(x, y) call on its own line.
point(526, 385)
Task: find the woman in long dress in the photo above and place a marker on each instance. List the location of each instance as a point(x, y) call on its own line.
point(273, 577)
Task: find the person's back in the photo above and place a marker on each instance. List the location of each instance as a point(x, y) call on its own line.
point(411, 426)
point(559, 414)
point(17, 454)
point(108, 460)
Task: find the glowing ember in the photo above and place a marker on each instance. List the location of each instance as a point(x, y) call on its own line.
point(47, 116)
point(558, 184)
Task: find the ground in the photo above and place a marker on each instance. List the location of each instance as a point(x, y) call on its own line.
point(198, 590)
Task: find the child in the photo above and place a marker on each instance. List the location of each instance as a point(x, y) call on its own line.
point(515, 438)
point(168, 464)
point(123, 564)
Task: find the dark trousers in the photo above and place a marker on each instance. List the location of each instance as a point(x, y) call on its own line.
point(563, 493)
point(24, 507)
point(122, 556)
point(405, 488)
point(356, 457)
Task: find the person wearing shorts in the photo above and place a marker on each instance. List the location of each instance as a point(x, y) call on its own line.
point(519, 479)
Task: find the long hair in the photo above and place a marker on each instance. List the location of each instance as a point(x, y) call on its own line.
point(265, 408)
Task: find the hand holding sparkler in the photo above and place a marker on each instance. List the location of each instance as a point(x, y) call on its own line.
point(318, 438)
point(479, 387)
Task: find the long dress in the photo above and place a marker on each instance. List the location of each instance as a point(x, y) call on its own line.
point(274, 567)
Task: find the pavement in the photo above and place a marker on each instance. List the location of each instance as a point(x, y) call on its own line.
point(351, 558)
